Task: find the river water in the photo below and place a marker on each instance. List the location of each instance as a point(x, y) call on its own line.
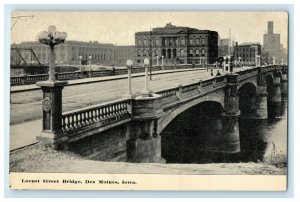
point(260, 140)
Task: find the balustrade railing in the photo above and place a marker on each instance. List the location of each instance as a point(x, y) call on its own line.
point(168, 95)
point(104, 114)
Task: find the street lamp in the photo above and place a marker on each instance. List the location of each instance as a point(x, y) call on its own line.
point(162, 61)
point(145, 93)
point(90, 63)
point(157, 58)
point(129, 67)
point(80, 66)
point(274, 60)
point(257, 60)
point(52, 38)
point(224, 64)
point(229, 67)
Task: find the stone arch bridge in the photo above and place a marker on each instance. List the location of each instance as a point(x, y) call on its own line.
point(130, 129)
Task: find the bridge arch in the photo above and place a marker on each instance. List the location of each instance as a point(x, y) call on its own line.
point(192, 132)
point(247, 99)
point(217, 97)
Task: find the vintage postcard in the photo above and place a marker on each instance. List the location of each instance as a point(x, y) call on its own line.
point(138, 100)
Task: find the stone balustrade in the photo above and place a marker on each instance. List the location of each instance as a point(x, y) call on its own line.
point(105, 114)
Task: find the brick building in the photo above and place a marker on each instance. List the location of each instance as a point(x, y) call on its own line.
point(69, 52)
point(247, 52)
point(176, 45)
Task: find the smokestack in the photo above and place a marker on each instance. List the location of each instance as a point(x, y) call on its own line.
point(270, 27)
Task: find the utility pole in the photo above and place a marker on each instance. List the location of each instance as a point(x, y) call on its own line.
point(229, 42)
point(150, 54)
point(20, 17)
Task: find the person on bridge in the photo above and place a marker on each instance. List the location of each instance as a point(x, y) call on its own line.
point(218, 73)
point(211, 72)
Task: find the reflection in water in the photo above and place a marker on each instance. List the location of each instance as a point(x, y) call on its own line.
point(259, 140)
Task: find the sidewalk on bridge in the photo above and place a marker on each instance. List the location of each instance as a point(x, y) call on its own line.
point(24, 134)
point(21, 88)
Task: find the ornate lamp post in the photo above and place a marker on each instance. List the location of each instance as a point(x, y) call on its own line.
point(257, 60)
point(129, 66)
point(224, 64)
point(229, 67)
point(52, 38)
point(90, 63)
point(146, 92)
point(80, 66)
point(52, 93)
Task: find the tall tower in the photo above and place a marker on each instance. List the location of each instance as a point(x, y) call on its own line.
point(270, 27)
point(271, 44)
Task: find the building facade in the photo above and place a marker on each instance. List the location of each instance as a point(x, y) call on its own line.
point(74, 53)
point(271, 44)
point(173, 45)
point(246, 53)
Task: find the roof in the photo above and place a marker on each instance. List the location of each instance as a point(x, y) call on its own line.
point(172, 29)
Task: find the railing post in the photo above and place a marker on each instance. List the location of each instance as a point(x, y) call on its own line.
point(52, 114)
point(179, 92)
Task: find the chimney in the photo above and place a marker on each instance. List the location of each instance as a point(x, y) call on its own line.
point(270, 27)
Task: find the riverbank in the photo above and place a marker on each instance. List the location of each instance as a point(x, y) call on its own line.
point(37, 158)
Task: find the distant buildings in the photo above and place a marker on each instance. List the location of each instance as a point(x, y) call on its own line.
point(271, 45)
point(224, 49)
point(176, 45)
point(69, 52)
point(247, 52)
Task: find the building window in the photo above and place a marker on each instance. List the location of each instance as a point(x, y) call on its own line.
point(191, 53)
point(197, 41)
point(157, 42)
point(145, 42)
point(139, 54)
point(203, 41)
point(171, 42)
point(156, 52)
point(182, 42)
point(140, 42)
point(197, 53)
point(145, 52)
point(191, 42)
point(182, 53)
point(176, 42)
point(202, 52)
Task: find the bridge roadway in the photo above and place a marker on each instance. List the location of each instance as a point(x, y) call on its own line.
point(26, 106)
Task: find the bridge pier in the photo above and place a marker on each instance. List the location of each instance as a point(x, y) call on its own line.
point(145, 146)
point(284, 85)
point(275, 96)
point(52, 134)
point(230, 140)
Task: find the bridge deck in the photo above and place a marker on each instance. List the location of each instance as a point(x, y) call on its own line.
point(26, 105)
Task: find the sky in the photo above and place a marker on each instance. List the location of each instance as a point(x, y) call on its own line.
point(119, 27)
